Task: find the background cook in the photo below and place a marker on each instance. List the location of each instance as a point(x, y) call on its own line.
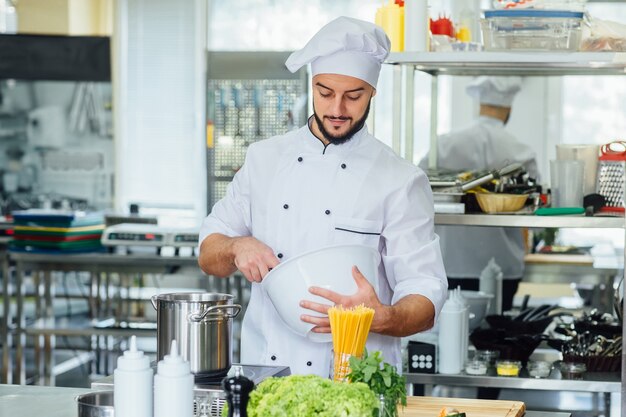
point(485, 145)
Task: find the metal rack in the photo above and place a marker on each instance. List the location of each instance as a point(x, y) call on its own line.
point(501, 63)
point(106, 273)
point(250, 96)
point(482, 63)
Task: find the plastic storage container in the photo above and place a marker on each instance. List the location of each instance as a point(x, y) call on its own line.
point(508, 368)
point(532, 30)
point(476, 367)
point(539, 369)
point(488, 356)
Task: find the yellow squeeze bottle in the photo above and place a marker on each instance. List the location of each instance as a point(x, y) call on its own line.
point(390, 17)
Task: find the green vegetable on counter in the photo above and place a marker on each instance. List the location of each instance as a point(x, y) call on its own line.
point(382, 378)
point(310, 396)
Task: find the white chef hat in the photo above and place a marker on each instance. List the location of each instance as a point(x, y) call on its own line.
point(344, 46)
point(496, 91)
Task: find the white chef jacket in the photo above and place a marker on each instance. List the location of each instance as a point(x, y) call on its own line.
point(297, 195)
point(466, 250)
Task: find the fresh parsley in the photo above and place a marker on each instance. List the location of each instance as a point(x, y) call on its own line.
point(382, 378)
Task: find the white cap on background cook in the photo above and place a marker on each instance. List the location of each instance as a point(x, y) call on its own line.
point(496, 91)
point(344, 46)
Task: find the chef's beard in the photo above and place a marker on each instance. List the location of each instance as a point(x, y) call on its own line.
point(338, 140)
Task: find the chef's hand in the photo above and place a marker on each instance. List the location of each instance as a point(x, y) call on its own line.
point(253, 258)
point(365, 294)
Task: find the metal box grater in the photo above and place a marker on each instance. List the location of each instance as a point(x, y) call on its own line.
point(611, 175)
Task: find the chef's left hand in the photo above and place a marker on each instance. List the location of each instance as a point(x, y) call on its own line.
point(365, 295)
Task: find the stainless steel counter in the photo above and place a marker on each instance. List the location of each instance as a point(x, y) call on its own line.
point(26, 400)
point(593, 382)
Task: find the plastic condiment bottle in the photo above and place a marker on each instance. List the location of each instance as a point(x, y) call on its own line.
point(237, 389)
point(464, 326)
point(489, 284)
point(132, 392)
point(173, 386)
point(390, 17)
point(452, 335)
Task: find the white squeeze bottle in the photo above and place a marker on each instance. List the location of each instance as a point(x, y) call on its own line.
point(488, 283)
point(173, 386)
point(132, 395)
point(464, 326)
point(451, 332)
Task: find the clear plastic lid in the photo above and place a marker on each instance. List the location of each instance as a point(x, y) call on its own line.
point(534, 13)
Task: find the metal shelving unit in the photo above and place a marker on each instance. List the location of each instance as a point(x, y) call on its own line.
point(482, 63)
point(109, 292)
point(502, 63)
point(527, 220)
point(513, 63)
point(601, 382)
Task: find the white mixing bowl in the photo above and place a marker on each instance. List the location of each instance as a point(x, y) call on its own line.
point(478, 304)
point(329, 268)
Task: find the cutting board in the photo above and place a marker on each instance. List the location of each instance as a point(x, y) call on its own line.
point(431, 406)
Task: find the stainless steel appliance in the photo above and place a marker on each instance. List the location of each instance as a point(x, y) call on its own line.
point(209, 398)
point(138, 237)
point(201, 323)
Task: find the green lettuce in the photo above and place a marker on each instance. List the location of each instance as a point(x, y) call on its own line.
point(310, 396)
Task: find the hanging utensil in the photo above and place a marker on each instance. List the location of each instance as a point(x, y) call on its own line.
point(455, 192)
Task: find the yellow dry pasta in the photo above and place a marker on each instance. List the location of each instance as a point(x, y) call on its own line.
point(349, 328)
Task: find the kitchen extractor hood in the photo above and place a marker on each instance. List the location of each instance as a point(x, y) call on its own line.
point(53, 57)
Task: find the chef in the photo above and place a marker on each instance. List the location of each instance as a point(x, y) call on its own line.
point(330, 182)
point(485, 145)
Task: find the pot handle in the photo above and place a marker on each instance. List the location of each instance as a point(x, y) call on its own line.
point(200, 316)
point(153, 300)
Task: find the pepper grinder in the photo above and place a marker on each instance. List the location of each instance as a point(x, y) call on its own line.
point(237, 389)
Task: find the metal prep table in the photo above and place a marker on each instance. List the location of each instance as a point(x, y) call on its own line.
point(102, 268)
point(16, 400)
point(605, 383)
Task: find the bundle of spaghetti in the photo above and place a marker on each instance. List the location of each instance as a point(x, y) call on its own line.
point(349, 328)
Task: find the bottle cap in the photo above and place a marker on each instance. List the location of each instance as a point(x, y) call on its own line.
point(173, 365)
point(133, 359)
point(454, 303)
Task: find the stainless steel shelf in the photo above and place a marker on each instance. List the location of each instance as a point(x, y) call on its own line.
point(513, 63)
point(530, 221)
point(99, 260)
point(594, 382)
point(77, 327)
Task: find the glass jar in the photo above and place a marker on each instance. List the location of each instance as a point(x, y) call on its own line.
point(386, 408)
point(508, 368)
point(539, 369)
point(572, 370)
point(488, 356)
point(339, 366)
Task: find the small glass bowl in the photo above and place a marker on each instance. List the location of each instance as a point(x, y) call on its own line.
point(476, 367)
point(488, 356)
point(539, 369)
point(572, 370)
point(508, 368)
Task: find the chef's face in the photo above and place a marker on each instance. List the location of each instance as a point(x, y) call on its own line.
point(341, 104)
